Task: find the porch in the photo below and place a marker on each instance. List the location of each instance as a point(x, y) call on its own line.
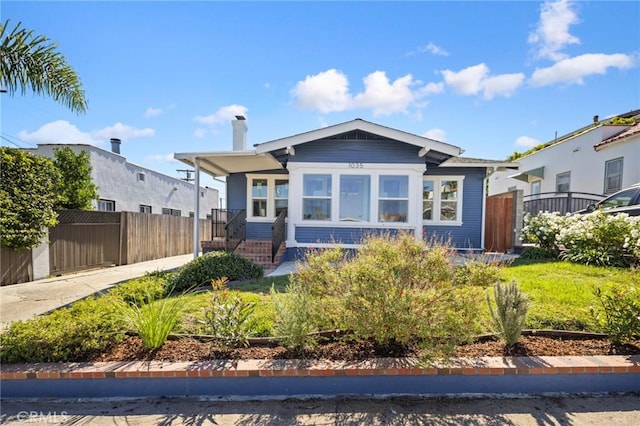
point(229, 233)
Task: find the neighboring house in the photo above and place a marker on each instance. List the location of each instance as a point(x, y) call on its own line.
point(600, 158)
point(342, 182)
point(123, 186)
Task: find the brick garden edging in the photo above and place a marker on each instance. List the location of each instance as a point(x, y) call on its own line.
point(616, 373)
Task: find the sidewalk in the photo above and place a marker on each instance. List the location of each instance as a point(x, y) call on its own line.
point(23, 301)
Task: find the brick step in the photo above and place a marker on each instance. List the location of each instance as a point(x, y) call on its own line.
point(257, 251)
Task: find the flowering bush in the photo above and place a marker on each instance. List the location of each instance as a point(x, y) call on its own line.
point(542, 229)
point(600, 239)
point(597, 238)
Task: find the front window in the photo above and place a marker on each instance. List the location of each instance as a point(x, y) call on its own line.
point(441, 199)
point(316, 197)
point(259, 198)
point(613, 175)
point(268, 195)
point(563, 182)
point(449, 200)
point(393, 198)
point(355, 197)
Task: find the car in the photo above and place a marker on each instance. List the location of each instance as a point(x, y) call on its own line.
point(624, 201)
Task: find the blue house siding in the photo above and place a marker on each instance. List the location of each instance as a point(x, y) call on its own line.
point(237, 191)
point(358, 151)
point(311, 235)
point(469, 235)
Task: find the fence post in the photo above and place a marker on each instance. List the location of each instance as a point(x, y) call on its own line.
point(518, 219)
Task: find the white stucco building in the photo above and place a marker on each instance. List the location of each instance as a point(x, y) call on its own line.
point(124, 186)
point(600, 158)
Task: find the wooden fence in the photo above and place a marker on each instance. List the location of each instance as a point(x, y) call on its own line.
point(84, 240)
point(503, 222)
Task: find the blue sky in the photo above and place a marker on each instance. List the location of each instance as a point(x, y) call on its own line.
point(490, 77)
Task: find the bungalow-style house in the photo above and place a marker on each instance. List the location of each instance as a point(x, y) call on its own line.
point(339, 183)
point(578, 168)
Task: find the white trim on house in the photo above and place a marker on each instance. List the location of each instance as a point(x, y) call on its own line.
point(437, 202)
point(270, 198)
point(227, 162)
point(297, 170)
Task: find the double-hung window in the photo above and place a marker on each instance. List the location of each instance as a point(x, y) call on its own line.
point(393, 198)
point(106, 205)
point(268, 195)
point(316, 197)
point(442, 200)
point(563, 182)
point(613, 175)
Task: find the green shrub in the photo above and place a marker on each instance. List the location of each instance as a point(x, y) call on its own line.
point(228, 318)
point(538, 253)
point(394, 290)
point(618, 313)
point(296, 315)
point(77, 333)
point(542, 229)
point(477, 273)
point(212, 266)
point(141, 290)
point(509, 315)
point(154, 320)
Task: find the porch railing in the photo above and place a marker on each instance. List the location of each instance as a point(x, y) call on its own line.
point(562, 202)
point(277, 234)
point(236, 230)
point(230, 225)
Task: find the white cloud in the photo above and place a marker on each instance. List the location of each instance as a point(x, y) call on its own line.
point(152, 112)
point(476, 79)
point(436, 134)
point(222, 115)
point(123, 131)
point(326, 92)
point(434, 49)
point(573, 70)
point(199, 133)
point(430, 89)
point(526, 141)
point(552, 33)
point(62, 131)
point(385, 98)
point(161, 158)
point(467, 81)
point(502, 85)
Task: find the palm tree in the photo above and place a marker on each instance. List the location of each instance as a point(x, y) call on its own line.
point(32, 61)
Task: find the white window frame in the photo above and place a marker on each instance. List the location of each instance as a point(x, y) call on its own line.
point(141, 177)
point(560, 176)
point(374, 170)
point(608, 190)
point(102, 202)
point(145, 207)
point(271, 196)
point(437, 202)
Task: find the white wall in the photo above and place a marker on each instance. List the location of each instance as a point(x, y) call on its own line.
point(578, 156)
point(117, 180)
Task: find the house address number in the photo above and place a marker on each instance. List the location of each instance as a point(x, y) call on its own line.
point(356, 165)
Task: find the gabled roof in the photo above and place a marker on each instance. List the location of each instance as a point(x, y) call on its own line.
point(425, 144)
point(631, 131)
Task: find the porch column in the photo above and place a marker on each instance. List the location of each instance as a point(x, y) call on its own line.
point(196, 211)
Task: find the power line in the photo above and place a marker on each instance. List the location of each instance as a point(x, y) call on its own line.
point(8, 138)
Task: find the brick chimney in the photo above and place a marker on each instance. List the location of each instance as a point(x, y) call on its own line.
point(115, 145)
point(239, 133)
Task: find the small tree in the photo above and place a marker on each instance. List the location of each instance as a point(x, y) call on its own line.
point(76, 190)
point(27, 198)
